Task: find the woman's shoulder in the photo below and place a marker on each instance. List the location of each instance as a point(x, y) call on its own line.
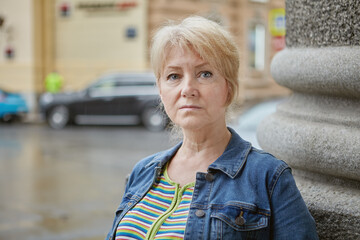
point(255, 158)
point(147, 160)
point(146, 163)
point(265, 162)
point(264, 168)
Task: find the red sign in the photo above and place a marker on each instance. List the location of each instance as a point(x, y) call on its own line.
point(108, 5)
point(126, 5)
point(64, 9)
point(278, 43)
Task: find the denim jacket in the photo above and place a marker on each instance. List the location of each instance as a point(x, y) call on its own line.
point(246, 194)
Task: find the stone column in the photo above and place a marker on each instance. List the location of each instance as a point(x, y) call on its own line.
point(317, 130)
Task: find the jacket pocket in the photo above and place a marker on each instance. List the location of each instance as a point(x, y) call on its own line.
point(239, 221)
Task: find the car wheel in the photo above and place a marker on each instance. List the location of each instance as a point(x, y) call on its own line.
point(58, 117)
point(154, 119)
point(7, 118)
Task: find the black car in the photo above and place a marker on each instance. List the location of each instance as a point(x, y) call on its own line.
point(114, 99)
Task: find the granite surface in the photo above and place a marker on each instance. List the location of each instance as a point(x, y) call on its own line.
point(313, 142)
point(335, 206)
point(333, 71)
point(314, 23)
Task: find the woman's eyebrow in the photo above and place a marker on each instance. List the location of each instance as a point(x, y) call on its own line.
point(175, 67)
point(202, 65)
point(172, 67)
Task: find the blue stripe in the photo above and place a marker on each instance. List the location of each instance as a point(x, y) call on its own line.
point(141, 219)
point(160, 199)
point(128, 224)
point(173, 224)
point(125, 234)
point(147, 213)
point(166, 191)
point(155, 206)
point(167, 231)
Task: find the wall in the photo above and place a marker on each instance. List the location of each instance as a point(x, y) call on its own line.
point(16, 73)
point(92, 39)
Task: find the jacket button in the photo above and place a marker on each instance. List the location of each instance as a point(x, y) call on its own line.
point(199, 213)
point(240, 220)
point(209, 177)
point(129, 204)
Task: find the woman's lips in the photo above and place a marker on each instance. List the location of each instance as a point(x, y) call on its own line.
point(190, 107)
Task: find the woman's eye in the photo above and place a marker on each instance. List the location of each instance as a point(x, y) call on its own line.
point(173, 77)
point(206, 74)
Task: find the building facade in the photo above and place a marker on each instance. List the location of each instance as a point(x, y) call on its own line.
point(82, 39)
point(250, 22)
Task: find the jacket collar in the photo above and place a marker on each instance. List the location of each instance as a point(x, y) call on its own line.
point(230, 162)
point(163, 157)
point(234, 156)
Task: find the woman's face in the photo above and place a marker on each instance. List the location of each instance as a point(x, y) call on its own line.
point(194, 93)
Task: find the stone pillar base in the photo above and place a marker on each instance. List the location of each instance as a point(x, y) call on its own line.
point(317, 132)
point(334, 204)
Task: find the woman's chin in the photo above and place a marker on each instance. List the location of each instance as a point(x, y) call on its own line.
point(191, 124)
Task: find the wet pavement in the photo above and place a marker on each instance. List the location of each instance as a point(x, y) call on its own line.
point(66, 184)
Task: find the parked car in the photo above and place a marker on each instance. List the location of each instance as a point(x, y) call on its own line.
point(12, 106)
point(113, 99)
point(248, 122)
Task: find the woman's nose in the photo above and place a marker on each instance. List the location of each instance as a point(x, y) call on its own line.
point(190, 88)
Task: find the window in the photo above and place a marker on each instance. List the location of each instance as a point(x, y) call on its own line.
point(257, 46)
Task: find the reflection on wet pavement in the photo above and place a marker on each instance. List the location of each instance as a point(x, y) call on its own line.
point(66, 184)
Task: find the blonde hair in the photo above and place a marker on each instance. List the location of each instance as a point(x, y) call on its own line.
point(210, 40)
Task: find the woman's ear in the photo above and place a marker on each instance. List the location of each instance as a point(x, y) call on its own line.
point(229, 93)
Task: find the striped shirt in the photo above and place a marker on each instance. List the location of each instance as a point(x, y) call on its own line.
point(161, 214)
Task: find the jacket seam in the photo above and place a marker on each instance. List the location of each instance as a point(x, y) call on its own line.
point(277, 176)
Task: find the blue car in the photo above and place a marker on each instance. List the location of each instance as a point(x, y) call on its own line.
point(12, 106)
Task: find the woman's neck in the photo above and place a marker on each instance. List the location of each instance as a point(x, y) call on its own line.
point(210, 141)
point(198, 151)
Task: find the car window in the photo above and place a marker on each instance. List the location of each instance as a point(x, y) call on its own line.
point(136, 80)
point(105, 85)
point(124, 85)
point(135, 83)
point(102, 89)
point(117, 89)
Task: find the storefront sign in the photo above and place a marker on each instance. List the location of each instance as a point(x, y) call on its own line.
point(64, 9)
point(277, 22)
point(107, 5)
point(278, 43)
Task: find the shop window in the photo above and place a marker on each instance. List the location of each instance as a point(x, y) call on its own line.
point(257, 46)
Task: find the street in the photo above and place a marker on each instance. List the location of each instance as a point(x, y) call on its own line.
point(67, 184)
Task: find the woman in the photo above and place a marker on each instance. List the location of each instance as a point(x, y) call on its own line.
point(212, 185)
